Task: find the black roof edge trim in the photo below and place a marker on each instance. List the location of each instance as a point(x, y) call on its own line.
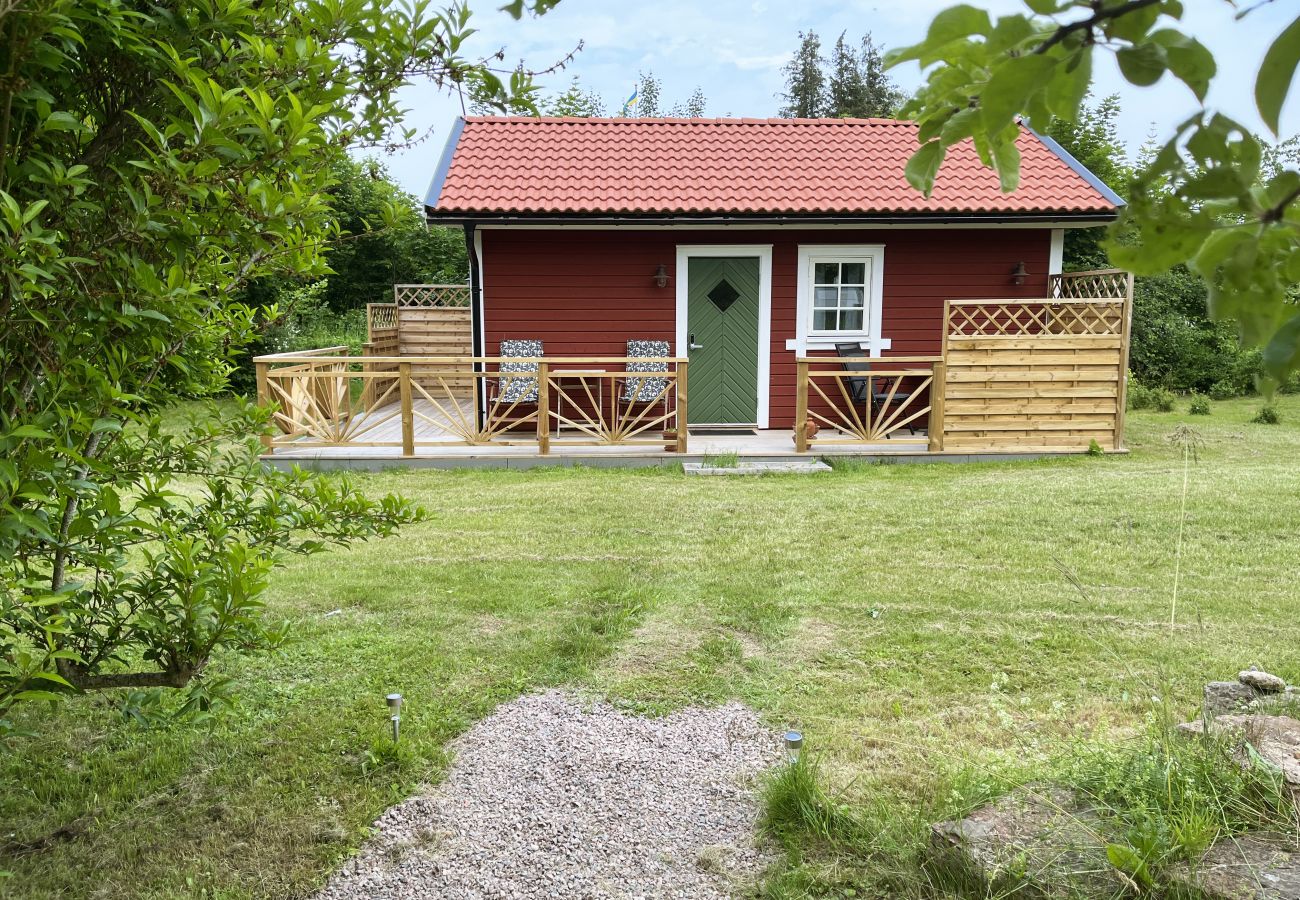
point(1079, 168)
point(444, 163)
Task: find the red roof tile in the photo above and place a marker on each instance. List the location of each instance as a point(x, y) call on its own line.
point(736, 166)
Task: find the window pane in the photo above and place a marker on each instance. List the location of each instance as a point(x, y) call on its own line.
point(825, 296)
point(826, 273)
point(851, 320)
point(824, 320)
point(853, 273)
point(852, 296)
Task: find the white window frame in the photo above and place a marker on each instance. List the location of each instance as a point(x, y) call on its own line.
point(869, 338)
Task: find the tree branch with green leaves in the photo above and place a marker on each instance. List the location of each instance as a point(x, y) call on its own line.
point(1206, 198)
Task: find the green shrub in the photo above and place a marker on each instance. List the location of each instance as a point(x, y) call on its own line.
point(1139, 395)
point(1200, 405)
point(1223, 390)
point(1162, 400)
point(1094, 448)
point(1267, 415)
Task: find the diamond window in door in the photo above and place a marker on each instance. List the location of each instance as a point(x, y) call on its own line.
point(839, 295)
point(723, 295)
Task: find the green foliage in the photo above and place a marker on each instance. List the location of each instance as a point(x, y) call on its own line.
point(157, 161)
point(1204, 198)
point(1171, 797)
point(797, 808)
point(1267, 415)
point(805, 82)
point(1223, 390)
point(576, 101)
point(852, 84)
point(1174, 342)
point(1095, 449)
point(1199, 405)
point(1093, 139)
point(383, 240)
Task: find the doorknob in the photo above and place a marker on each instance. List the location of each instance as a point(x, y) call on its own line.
point(691, 345)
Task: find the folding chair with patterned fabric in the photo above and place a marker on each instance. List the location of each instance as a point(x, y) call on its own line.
point(646, 390)
point(517, 390)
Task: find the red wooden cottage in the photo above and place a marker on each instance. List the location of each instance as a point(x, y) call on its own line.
point(745, 244)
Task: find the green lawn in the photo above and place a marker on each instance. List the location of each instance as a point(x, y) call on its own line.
point(915, 621)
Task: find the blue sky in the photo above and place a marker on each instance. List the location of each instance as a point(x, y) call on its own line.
point(734, 50)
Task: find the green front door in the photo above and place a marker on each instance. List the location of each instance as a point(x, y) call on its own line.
point(722, 325)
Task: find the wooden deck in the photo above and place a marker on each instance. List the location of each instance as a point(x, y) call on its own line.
point(1016, 377)
point(437, 439)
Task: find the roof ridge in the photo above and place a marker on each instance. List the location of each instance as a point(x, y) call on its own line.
point(677, 120)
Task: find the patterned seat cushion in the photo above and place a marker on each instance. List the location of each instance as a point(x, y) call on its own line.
point(518, 390)
point(646, 390)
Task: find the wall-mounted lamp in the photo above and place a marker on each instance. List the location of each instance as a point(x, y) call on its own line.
point(394, 702)
point(1019, 273)
point(661, 276)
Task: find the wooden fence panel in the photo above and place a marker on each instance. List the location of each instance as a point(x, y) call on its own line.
point(1040, 374)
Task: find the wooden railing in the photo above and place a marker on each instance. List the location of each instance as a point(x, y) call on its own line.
point(869, 403)
point(434, 296)
point(380, 318)
point(324, 398)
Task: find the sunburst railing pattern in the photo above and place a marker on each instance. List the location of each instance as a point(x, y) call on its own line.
point(328, 399)
point(872, 402)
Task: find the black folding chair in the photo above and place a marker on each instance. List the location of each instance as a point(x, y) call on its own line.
point(858, 386)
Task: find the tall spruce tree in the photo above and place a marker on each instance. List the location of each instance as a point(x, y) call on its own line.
point(847, 90)
point(805, 92)
point(881, 97)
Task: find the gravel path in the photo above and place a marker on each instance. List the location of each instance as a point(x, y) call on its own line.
point(551, 799)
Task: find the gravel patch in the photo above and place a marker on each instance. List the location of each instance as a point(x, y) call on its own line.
point(550, 798)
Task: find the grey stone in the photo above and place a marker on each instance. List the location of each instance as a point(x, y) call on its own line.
point(1038, 840)
point(1248, 867)
point(1225, 697)
point(1262, 681)
point(1275, 738)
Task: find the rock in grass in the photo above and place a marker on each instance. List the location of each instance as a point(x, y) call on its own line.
point(1037, 840)
point(1247, 867)
point(1262, 681)
point(1275, 738)
point(1227, 697)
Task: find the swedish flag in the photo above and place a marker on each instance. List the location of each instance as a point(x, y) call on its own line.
point(629, 105)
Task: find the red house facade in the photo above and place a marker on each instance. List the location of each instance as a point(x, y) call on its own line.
point(743, 244)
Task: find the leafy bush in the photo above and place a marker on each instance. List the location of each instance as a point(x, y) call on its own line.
point(1174, 343)
point(1139, 395)
point(1267, 415)
point(1200, 405)
point(1162, 400)
point(1223, 390)
point(300, 320)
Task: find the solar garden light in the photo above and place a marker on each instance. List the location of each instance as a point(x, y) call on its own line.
point(395, 706)
point(793, 745)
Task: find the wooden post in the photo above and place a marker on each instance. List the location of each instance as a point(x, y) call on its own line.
point(681, 406)
point(801, 407)
point(1121, 387)
point(408, 418)
point(264, 397)
point(938, 385)
point(543, 408)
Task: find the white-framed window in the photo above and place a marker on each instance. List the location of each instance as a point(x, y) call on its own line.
point(839, 296)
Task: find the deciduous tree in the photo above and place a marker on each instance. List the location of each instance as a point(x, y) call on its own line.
point(158, 157)
point(1204, 199)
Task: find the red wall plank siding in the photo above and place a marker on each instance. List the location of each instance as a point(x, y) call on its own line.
point(587, 292)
